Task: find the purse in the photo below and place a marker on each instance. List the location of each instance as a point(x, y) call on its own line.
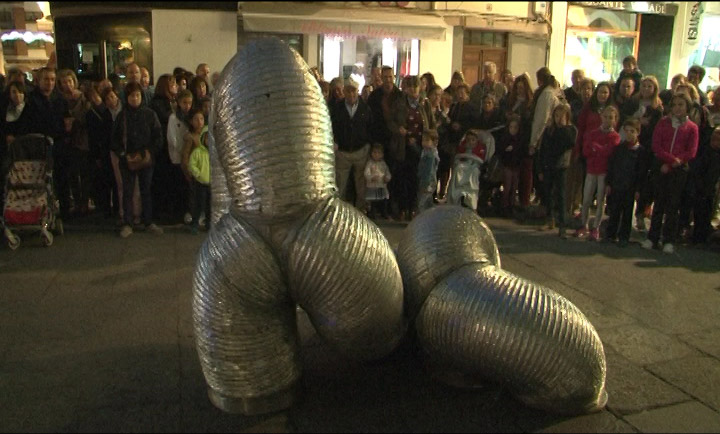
point(135, 160)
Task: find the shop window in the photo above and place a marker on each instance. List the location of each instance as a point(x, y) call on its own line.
point(597, 40)
point(295, 41)
point(708, 53)
point(344, 56)
point(579, 16)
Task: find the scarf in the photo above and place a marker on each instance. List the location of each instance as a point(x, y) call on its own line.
point(13, 113)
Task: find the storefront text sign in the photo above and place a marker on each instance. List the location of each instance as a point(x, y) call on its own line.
point(349, 30)
point(694, 18)
point(660, 8)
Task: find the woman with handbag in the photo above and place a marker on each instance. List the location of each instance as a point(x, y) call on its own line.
point(412, 119)
point(137, 139)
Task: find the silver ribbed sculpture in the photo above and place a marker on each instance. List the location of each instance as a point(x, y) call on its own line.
point(473, 318)
point(281, 237)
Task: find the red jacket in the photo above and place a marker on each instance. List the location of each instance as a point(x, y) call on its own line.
point(686, 141)
point(598, 146)
point(588, 120)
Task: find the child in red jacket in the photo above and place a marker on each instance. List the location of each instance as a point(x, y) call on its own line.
point(675, 143)
point(598, 146)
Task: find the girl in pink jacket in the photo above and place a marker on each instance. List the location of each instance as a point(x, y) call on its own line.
point(598, 146)
point(675, 142)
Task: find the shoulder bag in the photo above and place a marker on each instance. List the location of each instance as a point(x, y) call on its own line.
point(135, 160)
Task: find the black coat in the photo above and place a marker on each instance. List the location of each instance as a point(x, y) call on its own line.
point(623, 172)
point(143, 131)
point(50, 112)
point(351, 134)
point(705, 171)
point(556, 148)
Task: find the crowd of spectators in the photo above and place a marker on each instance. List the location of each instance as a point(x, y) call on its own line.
point(652, 153)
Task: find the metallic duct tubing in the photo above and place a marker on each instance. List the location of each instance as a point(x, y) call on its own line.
point(475, 318)
point(281, 237)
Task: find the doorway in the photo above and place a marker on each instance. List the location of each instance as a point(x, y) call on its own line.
point(480, 47)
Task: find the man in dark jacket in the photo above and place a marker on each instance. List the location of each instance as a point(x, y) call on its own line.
point(50, 107)
point(351, 128)
point(380, 101)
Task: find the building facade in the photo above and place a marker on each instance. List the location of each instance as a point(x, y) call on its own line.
point(349, 38)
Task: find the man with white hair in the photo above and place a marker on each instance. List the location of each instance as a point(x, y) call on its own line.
point(351, 129)
point(487, 85)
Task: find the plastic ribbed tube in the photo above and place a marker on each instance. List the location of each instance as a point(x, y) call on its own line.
point(444, 239)
point(483, 321)
point(281, 237)
point(343, 273)
point(244, 320)
point(272, 131)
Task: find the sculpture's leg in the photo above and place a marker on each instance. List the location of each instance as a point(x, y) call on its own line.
point(484, 321)
point(475, 320)
point(342, 271)
point(245, 325)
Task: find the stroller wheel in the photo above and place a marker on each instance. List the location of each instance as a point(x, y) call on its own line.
point(47, 238)
point(14, 242)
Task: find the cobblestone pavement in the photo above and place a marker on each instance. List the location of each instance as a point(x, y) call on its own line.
point(96, 336)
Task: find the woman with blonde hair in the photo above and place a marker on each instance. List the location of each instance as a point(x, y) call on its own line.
point(649, 113)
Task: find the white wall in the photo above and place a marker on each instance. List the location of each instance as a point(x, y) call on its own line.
point(526, 53)
point(187, 38)
point(436, 57)
point(557, 41)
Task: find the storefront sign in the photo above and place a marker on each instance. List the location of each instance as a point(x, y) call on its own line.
point(349, 30)
point(659, 8)
point(693, 32)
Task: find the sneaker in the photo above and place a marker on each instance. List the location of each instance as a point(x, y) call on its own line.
point(594, 234)
point(126, 231)
point(647, 244)
point(640, 225)
point(155, 229)
point(668, 248)
point(581, 232)
point(187, 218)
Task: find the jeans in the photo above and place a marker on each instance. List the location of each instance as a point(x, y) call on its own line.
point(620, 207)
point(594, 186)
point(669, 189)
point(201, 202)
point(554, 183)
point(144, 177)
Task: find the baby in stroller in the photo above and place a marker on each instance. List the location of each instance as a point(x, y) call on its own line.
point(29, 192)
point(475, 148)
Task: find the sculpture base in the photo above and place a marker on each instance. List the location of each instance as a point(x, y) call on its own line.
point(278, 401)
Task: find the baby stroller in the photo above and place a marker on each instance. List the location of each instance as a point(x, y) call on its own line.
point(464, 186)
point(30, 203)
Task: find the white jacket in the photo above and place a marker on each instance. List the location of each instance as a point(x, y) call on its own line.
point(176, 131)
point(546, 103)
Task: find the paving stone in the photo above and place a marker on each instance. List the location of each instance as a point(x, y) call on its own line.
point(707, 341)
point(642, 345)
point(679, 418)
point(698, 376)
point(632, 389)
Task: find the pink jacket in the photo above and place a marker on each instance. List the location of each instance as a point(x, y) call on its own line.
point(686, 141)
point(598, 146)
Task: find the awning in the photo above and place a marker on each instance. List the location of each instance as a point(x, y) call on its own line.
point(289, 17)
